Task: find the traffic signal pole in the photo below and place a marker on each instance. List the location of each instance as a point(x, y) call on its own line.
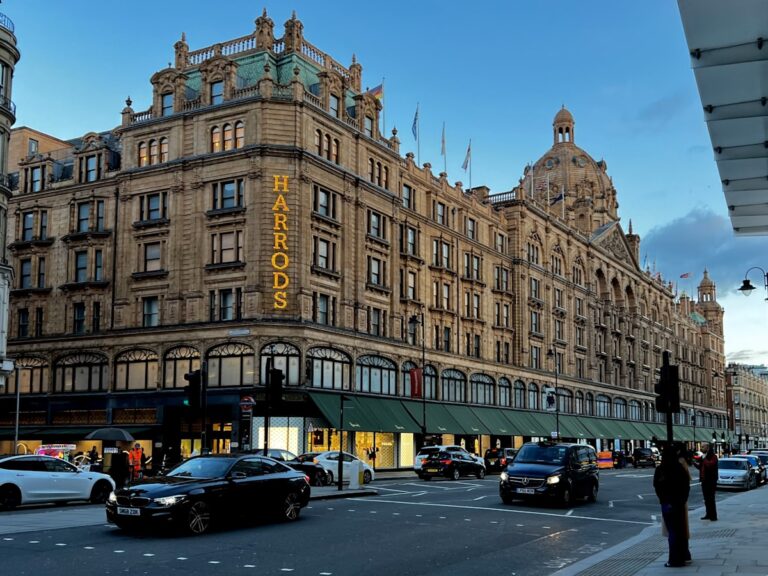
point(267, 404)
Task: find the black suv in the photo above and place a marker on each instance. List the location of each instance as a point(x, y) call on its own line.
point(496, 459)
point(452, 465)
point(560, 472)
point(643, 457)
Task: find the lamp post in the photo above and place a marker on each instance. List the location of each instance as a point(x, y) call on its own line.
point(746, 285)
point(413, 321)
point(340, 469)
point(552, 355)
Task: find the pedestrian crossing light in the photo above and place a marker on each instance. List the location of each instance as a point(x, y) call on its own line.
point(192, 391)
point(668, 388)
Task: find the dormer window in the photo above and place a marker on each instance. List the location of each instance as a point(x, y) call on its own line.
point(91, 165)
point(166, 104)
point(32, 147)
point(217, 92)
point(36, 179)
point(368, 126)
point(334, 103)
point(153, 152)
point(227, 137)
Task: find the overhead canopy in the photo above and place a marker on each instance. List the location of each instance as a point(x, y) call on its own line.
point(730, 64)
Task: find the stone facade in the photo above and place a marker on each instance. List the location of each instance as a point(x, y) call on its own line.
point(747, 400)
point(255, 211)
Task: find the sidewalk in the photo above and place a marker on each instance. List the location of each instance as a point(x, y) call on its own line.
point(735, 544)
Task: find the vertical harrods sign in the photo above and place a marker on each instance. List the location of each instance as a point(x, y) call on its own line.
point(280, 258)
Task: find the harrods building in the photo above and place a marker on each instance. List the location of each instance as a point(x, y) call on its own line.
point(254, 213)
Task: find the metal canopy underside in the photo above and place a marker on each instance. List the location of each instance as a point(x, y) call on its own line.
point(729, 54)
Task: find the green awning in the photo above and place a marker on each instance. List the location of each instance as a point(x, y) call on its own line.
point(494, 420)
point(536, 423)
point(468, 419)
point(357, 415)
point(644, 431)
point(390, 414)
point(598, 428)
point(625, 430)
point(574, 427)
point(439, 420)
point(520, 422)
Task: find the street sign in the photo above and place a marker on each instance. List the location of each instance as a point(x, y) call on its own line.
point(553, 434)
point(246, 403)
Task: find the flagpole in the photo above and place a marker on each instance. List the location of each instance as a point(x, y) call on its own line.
point(418, 137)
point(445, 153)
point(383, 109)
point(563, 212)
point(470, 164)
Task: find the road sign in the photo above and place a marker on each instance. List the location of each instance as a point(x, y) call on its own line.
point(246, 403)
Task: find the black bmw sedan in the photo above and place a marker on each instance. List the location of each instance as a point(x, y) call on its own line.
point(318, 476)
point(208, 489)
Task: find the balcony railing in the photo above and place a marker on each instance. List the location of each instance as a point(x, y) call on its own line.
point(6, 23)
point(6, 103)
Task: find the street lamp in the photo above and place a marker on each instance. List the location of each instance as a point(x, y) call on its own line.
point(746, 285)
point(413, 321)
point(552, 355)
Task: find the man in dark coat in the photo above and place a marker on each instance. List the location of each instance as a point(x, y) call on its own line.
point(708, 477)
point(672, 485)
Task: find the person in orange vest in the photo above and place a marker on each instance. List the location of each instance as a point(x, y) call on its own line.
point(135, 460)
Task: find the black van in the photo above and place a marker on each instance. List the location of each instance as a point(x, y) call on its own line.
point(643, 457)
point(558, 472)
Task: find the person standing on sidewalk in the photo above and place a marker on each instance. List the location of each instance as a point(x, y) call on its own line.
point(708, 477)
point(672, 485)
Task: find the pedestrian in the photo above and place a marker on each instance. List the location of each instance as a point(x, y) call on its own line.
point(134, 459)
point(671, 481)
point(93, 457)
point(119, 470)
point(708, 476)
point(143, 462)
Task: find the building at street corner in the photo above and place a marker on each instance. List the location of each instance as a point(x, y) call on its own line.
point(254, 215)
point(747, 402)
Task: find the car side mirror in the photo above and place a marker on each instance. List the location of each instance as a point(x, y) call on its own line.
point(237, 475)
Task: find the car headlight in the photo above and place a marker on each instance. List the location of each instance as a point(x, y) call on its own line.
point(553, 479)
point(169, 500)
point(504, 477)
point(112, 497)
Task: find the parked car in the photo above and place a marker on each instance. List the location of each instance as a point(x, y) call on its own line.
point(330, 461)
point(736, 473)
point(451, 465)
point(42, 479)
point(426, 451)
point(496, 458)
point(756, 464)
point(547, 470)
point(211, 488)
point(318, 476)
point(644, 457)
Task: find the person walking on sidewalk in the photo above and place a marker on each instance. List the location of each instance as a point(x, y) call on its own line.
point(708, 477)
point(672, 485)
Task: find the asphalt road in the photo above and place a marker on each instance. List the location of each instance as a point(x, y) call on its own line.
point(412, 528)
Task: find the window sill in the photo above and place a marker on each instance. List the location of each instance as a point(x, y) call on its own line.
point(89, 235)
point(224, 266)
point(327, 219)
point(219, 212)
point(77, 286)
point(27, 244)
point(325, 272)
point(144, 224)
point(149, 274)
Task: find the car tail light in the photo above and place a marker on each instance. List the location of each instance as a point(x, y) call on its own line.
point(314, 461)
point(306, 479)
point(504, 461)
point(423, 461)
point(445, 462)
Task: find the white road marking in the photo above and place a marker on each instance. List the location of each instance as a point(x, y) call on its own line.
point(395, 513)
point(417, 494)
point(479, 498)
point(181, 558)
point(610, 503)
point(372, 512)
point(286, 569)
point(85, 547)
point(467, 519)
point(442, 517)
point(118, 551)
point(640, 496)
point(547, 527)
point(60, 544)
point(214, 562)
point(520, 525)
point(502, 511)
point(393, 490)
point(7, 539)
point(34, 541)
point(351, 510)
point(569, 512)
point(653, 517)
point(418, 515)
point(249, 565)
point(326, 573)
point(494, 521)
point(148, 554)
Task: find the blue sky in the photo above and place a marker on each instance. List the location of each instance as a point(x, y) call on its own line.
point(494, 71)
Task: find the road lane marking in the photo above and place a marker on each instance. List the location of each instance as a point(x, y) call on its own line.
point(249, 565)
point(181, 558)
point(569, 512)
point(85, 547)
point(34, 541)
point(479, 498)
point(118, 551)
point(60, 544)
point(417, 494)
point(503, 510)
point(148, 555)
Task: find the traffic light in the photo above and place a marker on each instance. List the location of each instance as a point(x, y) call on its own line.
point(668, 390)
point(192, 392)
point(275, 384)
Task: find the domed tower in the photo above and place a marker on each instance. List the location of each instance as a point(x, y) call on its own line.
point(707, 304)
point(9, 56)
point(569, 183)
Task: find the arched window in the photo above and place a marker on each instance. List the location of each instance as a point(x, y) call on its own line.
point(143, 155)
point(519, 394)
point(386, 178)
point(620, 408)
point(239, 134)
point(136, 370)
point(163, 149)
point(328, 368)
point(566, 400)
point(371, 169)
point(30, 374)
point(153, 153)
point(589, 404)
point(505, 393)
point(578, 406)
point(230, 364)
point(84, 372)
point(285, 357)
point(406, 375)
point(430, 382)
point(533, 396)
point(328, 146)
point(177, 362)
point(229, 137)
point(453, 386)
point(481, 388)
point(378, 173)
point(335, 151)
point(215, 139)
point(319, 142)
point(603, 405)
point(377, 375)
point(634, 410)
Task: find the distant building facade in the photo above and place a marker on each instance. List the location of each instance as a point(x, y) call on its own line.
point(255, 216)
point(747, 400)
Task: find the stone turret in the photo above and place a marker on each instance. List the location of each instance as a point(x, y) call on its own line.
point(265, 32)
point(181, 48)
point(294, 34)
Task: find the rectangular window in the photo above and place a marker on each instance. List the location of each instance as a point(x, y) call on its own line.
point(228, 194)
point(440, 213)
point(500, 242)
point(151, 315)
point(375, 322)
point(83, 216)
point(535, 288)
point(559, 333)
point(411, 288)
point(23, 322)
point(153, 206)
point(505, 314)
point(41, 272)
point(407, 197)
point(78, 318)
point(32, 147)
point(375, 272)
point(38, 322)
point(476, 267)
point(579, 306)
point(96, 318)
point(579, 336)
point(99, 215)
point(36, 177)
point(477, 345)
point(476, 305)
point(446, 296)
point(376, 225)
point(166, 104)
point(217, 92)
point(536, 357)
point(410, 238)
point(152, 257)
point(558, 298)
point(27, 226)
point(471, 229)
point(98, 266)
point(535, 321)
point(446, 255)
point(334, 105)
point(91, 169)
point(43, 224)
point(81, 266)
point(25, 276)
point(227, 247)
point(368, 126)
point(447, 338)
point(324, 202)
point(580, 367)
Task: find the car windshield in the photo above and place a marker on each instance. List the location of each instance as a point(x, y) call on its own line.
point(427, 451)
point(202, 468)
point(732, 464)
point(541, 454)
point(308, 457)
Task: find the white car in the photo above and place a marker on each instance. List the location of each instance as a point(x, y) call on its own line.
point(330, 461)
point(38, 479)
point(427, 450)
point(735, 473)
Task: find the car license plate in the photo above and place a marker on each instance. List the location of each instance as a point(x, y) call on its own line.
point(526, 491)
point(128, 511)
point(432, 470)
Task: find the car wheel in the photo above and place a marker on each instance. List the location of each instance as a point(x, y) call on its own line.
point(507, 499)
point(455, 474)
point(566, 496)
point(367, 477)
point(329, 477)
point(291, 507)
point(10, 497)
point(319, 479)
point(100, 492)
point(198, 519)
point(592, 496)
point(481, 474)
